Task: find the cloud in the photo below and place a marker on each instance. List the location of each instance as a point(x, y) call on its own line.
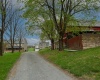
point(32, 41)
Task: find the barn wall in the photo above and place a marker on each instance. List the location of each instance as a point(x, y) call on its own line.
point(90, 40)
point(75, 43)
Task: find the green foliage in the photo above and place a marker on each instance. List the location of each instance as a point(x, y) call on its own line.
point(85, 64)
point(48, 30)
point(6, 63)
point(63, 13)
point(39, 19)
point(35, 15)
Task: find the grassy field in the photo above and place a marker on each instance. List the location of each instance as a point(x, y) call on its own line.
point(6, 63)
point(30, 49)
point(83, 64)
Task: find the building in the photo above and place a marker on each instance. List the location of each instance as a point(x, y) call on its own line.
point(23, 47)
point(37, 48)
point(44, 44)
point(87, 37)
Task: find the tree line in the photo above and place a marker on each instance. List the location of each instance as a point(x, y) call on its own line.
point(11, 25)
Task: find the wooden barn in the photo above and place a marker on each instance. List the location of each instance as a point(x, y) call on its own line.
point(84, 39)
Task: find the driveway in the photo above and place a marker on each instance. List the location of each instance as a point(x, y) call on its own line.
point(33, 67)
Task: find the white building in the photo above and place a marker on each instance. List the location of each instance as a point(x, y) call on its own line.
point(44, 44)
point(37, 48)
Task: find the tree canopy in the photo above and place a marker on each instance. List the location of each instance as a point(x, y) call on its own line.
point(61, 12)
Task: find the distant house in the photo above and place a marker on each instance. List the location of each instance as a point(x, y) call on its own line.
point(88, 37)
point(24, 45)
point(43, 44)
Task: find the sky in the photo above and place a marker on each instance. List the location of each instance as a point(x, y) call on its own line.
point(98, 18)
point(32, 40)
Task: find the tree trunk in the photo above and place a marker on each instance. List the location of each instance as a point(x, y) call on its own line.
point(12, 49)
point(20, 45)
point(19, 48)
point(61, 43)
point(1, 44)
point(52, 44)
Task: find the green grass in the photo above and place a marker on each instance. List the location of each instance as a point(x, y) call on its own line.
point(30, 49)
point(85, 64)
point(6, 63)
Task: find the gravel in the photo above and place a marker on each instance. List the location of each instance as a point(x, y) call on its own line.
point(32, 67)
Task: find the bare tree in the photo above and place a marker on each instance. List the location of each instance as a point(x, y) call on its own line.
point(21, 35)
point(4, 11)
point(3, 19)
point(13, 27)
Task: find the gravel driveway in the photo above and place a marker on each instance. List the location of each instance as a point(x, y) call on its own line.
point(32, 67)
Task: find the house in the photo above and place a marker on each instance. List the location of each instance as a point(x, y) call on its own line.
point(44, 44)
point(23, 47)
point(87, 37)
point(24, 44)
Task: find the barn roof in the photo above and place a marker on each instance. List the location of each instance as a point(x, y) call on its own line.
point(84, 26)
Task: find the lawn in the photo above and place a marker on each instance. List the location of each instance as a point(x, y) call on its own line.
point(6, 63)
point(83, 64)
point(30, 49)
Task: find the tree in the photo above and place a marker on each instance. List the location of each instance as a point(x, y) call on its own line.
point(49, 32)
point(67, 10)
point(13, 27)
point(21, 34)
point(46, 29)
point(62, 12)
point(4, 11)
point(40, 20)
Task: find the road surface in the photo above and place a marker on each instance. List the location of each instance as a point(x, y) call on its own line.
point(32, 67)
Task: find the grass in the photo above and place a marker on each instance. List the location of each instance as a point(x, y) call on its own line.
point(6, 63)
point(83, 64)
point(30, 49)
